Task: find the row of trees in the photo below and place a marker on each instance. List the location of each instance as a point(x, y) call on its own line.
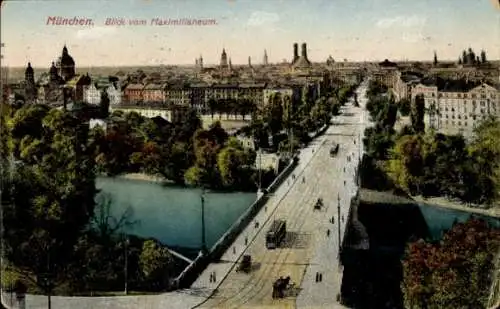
point(235, 107)
point(454, 273)
point(52, 224)
point(469, 57)
point(291, 120)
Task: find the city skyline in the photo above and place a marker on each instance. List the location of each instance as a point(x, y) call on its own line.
point(370, 30)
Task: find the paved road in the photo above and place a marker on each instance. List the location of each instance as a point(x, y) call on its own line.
point(308, 248)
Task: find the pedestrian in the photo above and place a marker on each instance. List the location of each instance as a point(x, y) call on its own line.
point(246, 240)
point(215, 279)
point(265, 209)
point(211, 277)
point(234, 250)
point(317, 276)
point(342, 218)
point(320, 277)
point(328, 232)
point(257, 224)
point(344, 183)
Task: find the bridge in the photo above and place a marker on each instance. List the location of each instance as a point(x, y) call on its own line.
point(315, 238)
point(311, 250)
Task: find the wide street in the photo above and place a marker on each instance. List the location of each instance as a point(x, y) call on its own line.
point(312, 241)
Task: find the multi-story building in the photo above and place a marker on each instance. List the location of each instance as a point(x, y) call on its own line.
point(145, 111)
point(456, 107)
point(404, 81)
point(114, 94)
point(198, 101)
point(91, 94)
point(133, 93)
point(153, 93)
point(76, 86)
point(252, 92)
point(178, 94)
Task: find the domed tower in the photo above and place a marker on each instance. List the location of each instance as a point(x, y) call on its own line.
point(66, 65)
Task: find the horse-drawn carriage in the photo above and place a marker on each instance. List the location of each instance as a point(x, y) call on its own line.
point(281, 286)
point(245, 264)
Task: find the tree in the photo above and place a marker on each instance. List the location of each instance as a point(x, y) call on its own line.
point(465, 57)
point(404, 107)
point(156, 263)
point(417, 114)
point(406, 161)
point(471, 56)
point(452, 273)
point(50, 198)
point(483, 57)
point(104, 105)
point(235, 164)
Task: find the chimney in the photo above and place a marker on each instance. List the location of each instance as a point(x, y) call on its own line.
point(304, 50)
point(295, 51)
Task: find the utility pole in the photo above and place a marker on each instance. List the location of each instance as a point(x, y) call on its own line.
point(203, 240)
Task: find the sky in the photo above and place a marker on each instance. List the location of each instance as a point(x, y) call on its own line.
point(356, 30)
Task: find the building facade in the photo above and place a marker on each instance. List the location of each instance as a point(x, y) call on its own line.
point(458, 110)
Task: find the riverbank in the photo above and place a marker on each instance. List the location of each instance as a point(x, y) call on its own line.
point(374, 196)
point(446, 203)
point(145, 177)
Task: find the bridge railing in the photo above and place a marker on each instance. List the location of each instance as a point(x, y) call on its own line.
point(193, 270)
point(228, 238)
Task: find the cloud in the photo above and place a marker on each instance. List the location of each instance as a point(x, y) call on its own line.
point(260, 18)
point(401, 21)
point(95, 32)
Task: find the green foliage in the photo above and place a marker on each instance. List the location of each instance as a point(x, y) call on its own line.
point(156, 263)
point(49, 198)
point(436, 165)
point(454, 273)
point(404, 107)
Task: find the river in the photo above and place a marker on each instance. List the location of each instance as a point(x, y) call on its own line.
point(172, 214)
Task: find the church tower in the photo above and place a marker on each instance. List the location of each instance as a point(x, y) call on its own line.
point(29, 78)
point(249, 61)
point(223, 60)
point(264, 61)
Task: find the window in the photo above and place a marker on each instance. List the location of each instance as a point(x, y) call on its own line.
point(465, 117)
point(459, 123)
point(465, 95)
point(453, 116)
point(459, 95)
point(482, 103)
point(473, 95)
point(459, 117)
point(452, 109)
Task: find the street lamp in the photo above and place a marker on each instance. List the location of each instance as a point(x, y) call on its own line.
point(127, 243)
point(203, 240)
point(339, 222)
